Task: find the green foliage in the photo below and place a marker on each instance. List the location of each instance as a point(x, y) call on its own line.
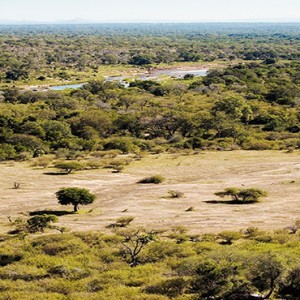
point(156, 179)
point(7, 152)
point(239, 102)
point(139, 265)
point(75, 196)
point(125, 145)
point(40, 222)
point(172, 287)
point(229, 236)
point(265, 273)
point(242, 195)
point(69, 166)
point(216, 279)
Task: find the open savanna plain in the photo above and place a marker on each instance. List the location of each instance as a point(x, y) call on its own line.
point(197, 175)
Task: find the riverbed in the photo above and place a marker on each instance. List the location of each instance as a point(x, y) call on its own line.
point(152, 75)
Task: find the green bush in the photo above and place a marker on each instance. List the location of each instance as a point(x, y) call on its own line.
point(156, 179)
point(124, 144)
point(40, 222)
point(254, 144)
point(69, 166)
point(172, 287)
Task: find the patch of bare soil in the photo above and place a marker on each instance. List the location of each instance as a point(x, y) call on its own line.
point(197, 176)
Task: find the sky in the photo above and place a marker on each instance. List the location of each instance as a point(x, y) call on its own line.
point(149, 10)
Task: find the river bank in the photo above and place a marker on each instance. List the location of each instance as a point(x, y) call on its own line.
point(151, 74)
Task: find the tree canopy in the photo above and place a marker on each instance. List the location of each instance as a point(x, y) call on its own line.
point(75, 196)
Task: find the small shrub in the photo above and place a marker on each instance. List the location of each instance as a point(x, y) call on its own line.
point(123, 221)
point(42, 161)
point(175, 194)
point(191, 208)
point(68, 167)
point(156, 179)
point(94, 164)
point(228, 237)
point(252, 232)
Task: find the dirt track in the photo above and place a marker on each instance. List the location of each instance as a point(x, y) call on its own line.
point(197, 176)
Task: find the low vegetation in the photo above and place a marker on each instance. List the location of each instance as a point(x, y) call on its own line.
point(175, 194)
point(148, 265)
point(156, 179)
point(68, 167)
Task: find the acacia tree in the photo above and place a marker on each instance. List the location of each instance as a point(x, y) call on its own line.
point(242, 195)
point(75, 196)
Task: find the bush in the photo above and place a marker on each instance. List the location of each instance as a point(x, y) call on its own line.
point(229, 236)
point(171, 287)
point(69, 166)
point(156, 179)
point(40, 222)
point(253, 144)
point(123, 144)
point(123, 221)
point(43, 161)
point(175, 194)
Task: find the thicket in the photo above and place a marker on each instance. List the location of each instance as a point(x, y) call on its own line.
point(249, 106)
point(151, 265)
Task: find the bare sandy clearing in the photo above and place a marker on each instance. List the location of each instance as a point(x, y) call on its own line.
point(197, 176)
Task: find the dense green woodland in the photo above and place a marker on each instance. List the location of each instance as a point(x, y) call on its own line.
point(25, 50)
point(248, 106)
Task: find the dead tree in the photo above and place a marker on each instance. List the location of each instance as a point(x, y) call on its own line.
point(134, 243)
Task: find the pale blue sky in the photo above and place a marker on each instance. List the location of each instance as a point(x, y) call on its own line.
point(150, 10)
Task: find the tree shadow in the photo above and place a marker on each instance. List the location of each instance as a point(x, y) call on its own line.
point(230, 202)
point(55, 173)
point(57, 213)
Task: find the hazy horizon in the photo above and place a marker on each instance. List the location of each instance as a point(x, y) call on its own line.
point(156, 11)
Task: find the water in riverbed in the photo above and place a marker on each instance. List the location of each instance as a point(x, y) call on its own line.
point(152, 76)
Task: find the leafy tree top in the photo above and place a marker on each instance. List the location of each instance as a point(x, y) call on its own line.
point(75, 196)
point(242, 195)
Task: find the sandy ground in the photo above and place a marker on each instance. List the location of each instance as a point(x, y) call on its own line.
point(198, 176)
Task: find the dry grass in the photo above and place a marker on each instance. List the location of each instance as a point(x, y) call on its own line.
point(197, 176)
